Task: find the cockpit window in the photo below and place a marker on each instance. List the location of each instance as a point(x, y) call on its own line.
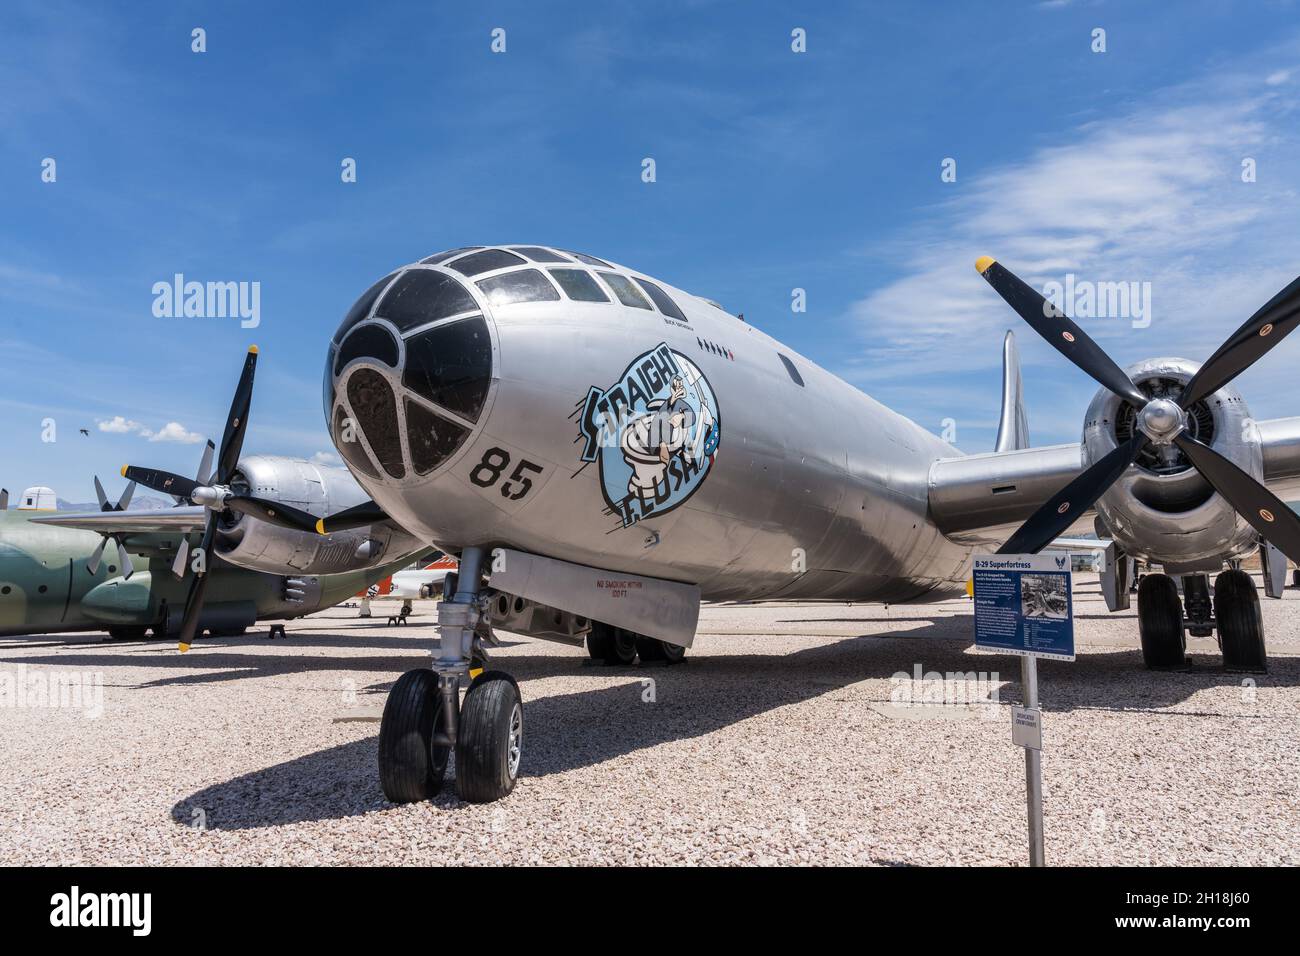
point(375, 406)
point(526, 285)
point(421, 296)
point(661, 298)
point(538, 254)
point(485, 261)
point(589, 260)
point(578, 285)
point(371, 341)
point(789, 367)
point(431, 439)
point(444, 256)
point(361, 308)
point(627, 293)
point(451, 366)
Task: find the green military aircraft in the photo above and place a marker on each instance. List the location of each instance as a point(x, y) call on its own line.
point(47, 584)
point(245, 542)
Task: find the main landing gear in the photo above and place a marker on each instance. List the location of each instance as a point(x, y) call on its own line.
point(617, 645)
point(425, 718)
point(1234, 612)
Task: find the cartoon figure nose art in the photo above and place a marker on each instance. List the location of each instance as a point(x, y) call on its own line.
point(655, 433)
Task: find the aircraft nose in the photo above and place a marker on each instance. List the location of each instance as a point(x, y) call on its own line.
point(407, 374)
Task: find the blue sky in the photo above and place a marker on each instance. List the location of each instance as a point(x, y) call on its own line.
point(775, 170)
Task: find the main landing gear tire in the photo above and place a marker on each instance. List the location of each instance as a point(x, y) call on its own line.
point(1160, 623)
point(652, 649)
point(489, 738)
point(1240, 622)
point(612, 645)
point(411, 767)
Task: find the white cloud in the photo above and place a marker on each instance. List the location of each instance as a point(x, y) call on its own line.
point(174, 432)
point(118, 425)
point(327, 458)
point(1278, 77)
point(1155, 194)
point(171, 432)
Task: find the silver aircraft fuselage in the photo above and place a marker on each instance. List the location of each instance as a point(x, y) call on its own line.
point(626, 439)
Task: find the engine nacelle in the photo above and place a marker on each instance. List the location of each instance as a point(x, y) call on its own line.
point(252, 543)
point(1161, 510)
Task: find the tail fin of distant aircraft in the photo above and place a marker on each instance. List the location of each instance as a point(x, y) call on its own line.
point(1013, 425)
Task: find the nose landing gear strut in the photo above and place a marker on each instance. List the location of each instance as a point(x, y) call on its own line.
point(425, 718)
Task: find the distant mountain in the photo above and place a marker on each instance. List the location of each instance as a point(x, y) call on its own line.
point(138, 503)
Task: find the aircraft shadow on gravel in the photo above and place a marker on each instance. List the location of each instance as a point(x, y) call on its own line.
point(706, 694)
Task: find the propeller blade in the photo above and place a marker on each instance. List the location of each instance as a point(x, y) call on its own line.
point(1276, 319)
point(124, 560)
point(204, 475)
point(4, 499)
point(355, 517)
point(103, 498)
point(194, 600)
point(232, 441)
point(193, 608)
point(162, 481)
point(124, 502)
point(1065, 507)
point(273, 512)
point(1059, 331)
point(182, 557)
point(93, 564)
point(1263, 510)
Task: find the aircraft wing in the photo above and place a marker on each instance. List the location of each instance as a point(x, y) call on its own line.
point(126, 522)
point(982, 499)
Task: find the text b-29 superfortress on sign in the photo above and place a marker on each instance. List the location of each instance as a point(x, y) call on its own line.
point(655, 432)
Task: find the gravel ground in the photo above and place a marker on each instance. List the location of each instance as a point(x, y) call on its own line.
point(782, 739)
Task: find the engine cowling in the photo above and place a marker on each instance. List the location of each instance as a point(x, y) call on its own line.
point(252, 543)
point(1162, 510)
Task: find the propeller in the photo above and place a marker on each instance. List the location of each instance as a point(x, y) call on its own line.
point(123, 559)
point(211, 488)
point(1159, 421)
point(4, 499)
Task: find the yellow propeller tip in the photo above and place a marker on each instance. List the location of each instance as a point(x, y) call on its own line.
point(252, 350)
point(124, 468)
point(320, 526)
point(982, 264)
point(183, 648)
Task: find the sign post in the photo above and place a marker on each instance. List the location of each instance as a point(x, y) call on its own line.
point(1024, 606)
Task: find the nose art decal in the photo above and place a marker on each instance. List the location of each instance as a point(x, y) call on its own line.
point(655, 432)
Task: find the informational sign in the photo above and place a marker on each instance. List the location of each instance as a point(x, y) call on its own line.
point(1023, 605)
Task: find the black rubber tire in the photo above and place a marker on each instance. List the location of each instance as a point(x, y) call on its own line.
point(410, 767)
point(127, 633)
point(485, 770)
point(610, 644)
point(1240, 622)
point(653, 650)
point(1160, 623)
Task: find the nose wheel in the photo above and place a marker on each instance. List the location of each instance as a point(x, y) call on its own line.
point(425, 719)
